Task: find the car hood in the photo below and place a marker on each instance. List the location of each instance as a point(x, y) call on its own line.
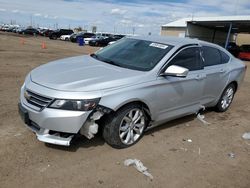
point(84, 73)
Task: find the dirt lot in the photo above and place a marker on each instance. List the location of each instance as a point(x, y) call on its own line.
point(26, 162)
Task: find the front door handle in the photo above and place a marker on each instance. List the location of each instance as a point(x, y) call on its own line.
point(200, 77)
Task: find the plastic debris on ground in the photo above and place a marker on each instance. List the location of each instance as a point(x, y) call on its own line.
point(246, 136)
point(202, 119)
point(231, 155)
point(139, 166)
point(188, 140)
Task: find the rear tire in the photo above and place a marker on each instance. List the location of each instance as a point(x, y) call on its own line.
point(54, 37)
point(125, 127)
point(226, 98)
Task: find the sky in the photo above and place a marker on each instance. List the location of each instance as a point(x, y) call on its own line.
point(117, 16)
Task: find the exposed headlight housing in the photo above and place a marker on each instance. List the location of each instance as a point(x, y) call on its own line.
point(77, 105)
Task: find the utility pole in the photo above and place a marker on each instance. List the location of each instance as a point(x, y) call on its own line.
point(31, 22)
point(236, 7)
point(133, 30)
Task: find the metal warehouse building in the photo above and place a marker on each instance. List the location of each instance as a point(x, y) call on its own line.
point(219, 30)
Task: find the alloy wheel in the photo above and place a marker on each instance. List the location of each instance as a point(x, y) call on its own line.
point(227, 98)
point(132, 126)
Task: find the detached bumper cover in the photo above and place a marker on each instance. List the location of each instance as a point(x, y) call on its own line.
point(44, 136)
point(42, 133)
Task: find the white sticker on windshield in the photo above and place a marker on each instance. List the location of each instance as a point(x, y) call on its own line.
point(157, 45)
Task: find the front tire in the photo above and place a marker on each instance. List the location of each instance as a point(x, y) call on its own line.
point(226, 98)
point(125, 127)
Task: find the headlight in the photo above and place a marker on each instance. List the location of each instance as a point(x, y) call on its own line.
point(78, 105)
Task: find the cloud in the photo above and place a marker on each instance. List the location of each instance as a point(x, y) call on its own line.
point(116, 15)
point(125, 21)
point(117, 11)
point(15, 11)
point(37, 14)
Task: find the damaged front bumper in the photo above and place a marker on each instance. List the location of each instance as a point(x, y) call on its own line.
point(54, 127)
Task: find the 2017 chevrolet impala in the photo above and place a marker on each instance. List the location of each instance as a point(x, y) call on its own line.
point(126, 88)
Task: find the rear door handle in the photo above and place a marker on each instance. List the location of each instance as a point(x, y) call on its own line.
point(222, 70)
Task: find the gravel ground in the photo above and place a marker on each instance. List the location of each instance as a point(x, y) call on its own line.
point(174, 162)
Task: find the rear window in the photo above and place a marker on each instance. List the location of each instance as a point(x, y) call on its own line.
point(212, 56)
point(224, 57)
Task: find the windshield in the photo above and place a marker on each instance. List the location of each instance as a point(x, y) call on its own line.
point(133, 54)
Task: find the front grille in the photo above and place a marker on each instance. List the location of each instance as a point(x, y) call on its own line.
point(37, 100)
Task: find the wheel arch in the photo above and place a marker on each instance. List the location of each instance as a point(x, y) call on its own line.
point(234, 83)
point(144, 105)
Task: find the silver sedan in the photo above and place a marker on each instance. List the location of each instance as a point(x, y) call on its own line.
point(126, 88)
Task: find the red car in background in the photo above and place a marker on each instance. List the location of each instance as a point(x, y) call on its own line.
point(244, 52)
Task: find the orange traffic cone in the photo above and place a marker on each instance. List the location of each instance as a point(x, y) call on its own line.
point(22, 41)
point(43, 45)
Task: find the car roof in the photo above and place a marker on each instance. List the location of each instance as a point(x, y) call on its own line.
point(175, 41)
point(178, 41)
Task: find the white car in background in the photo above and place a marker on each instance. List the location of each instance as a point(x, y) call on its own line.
point(112, 42)
point(86, 40)
point(65, 37)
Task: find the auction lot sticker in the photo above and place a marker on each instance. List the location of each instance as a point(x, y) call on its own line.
point(157, 45)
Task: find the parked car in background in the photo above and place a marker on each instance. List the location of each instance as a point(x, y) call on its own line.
point(65, 37)
point(20, 30)
point(46, 32)
point(15, 29)
point(245, 52)
point(233, 48)
point(29, 31)
point(41, 31)
point(57, 33)
point(112, 42)
point(102, 41)
point(117, 37)
point(5, 28)
point(86, 40)
point(128, 87)
point(104, 34)
point(74, 38)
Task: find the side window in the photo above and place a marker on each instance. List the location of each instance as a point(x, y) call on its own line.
point(188, 58)
point(224, 57)
point(211, 56)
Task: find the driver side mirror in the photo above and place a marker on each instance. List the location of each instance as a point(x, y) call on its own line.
point(176, 71)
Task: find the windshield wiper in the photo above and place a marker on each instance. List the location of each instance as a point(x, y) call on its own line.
point(94, 56)
point(105, 60)
point(111, 62)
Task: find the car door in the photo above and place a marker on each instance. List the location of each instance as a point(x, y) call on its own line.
point(216, 71)
point(177, 96)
